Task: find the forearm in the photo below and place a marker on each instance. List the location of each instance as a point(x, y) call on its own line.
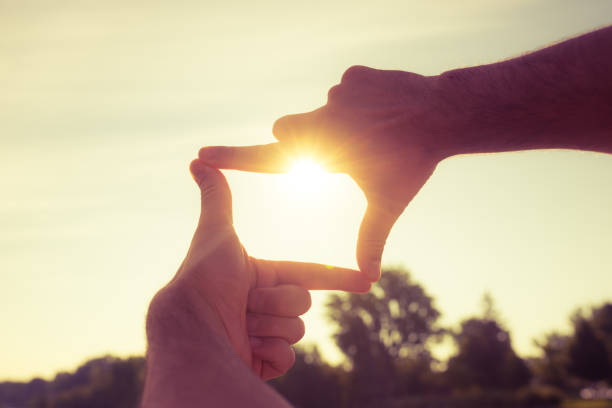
point(191, 364)
point(558, 97)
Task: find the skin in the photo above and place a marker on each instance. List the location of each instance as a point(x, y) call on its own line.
point(226, 320)
point(389, 129)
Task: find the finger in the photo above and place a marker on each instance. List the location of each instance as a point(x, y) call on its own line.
point(268, 158)
point(281, 300)
point(215, 193)
point(373, 232)
point(290, 329)
point(256, 362)
point(308, 135)
point(291, 128)
point(264, 370)
point(271, 371)
point(310, 276)
point(360, 74)
point(276, 354)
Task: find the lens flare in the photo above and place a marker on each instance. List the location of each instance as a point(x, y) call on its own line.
point(307, 176)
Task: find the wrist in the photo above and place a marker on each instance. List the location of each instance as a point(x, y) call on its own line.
point(179, 326)
point(457, 101)
point(190, 361)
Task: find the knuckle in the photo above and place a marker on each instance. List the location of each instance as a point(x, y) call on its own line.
point(374, 246)
point(354, 73)
point(252, 323)
point(280, 128)
point(211, 182)
point(255, 300)
point(208, 186)
point(334, 93)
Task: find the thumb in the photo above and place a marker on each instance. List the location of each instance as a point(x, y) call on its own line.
point(215, 194)
point(373, 232)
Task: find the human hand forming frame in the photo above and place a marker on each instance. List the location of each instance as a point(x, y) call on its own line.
point(389, 129)
point(223, 306)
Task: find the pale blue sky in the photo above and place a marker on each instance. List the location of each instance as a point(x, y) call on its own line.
point(103, 105)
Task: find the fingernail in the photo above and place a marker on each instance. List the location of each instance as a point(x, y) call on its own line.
point(209, 153)
point(373, 271)
point(197, 166)
point(255, 342)
point(197, 169)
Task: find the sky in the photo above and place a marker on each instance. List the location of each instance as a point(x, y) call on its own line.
point(104, 104)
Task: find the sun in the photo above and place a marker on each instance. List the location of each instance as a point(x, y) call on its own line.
point(307, 176)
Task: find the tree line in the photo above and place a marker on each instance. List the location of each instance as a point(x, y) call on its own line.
point(387, 336)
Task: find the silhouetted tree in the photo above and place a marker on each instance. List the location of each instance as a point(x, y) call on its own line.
point(378, 330)
point(551, 367)
point(489, 310)
point(570, 361)
point(311, 382)
point(101, 382)
point(601, 320)
point(588, 356)
point(485, 357)
point(16, 394)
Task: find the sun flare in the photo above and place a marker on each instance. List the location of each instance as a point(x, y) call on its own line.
point(307, 176)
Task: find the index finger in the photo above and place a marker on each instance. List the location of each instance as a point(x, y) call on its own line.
point(310, 276)
point(267, 158)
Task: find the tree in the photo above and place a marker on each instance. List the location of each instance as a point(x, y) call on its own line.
point(551, 367)
point(101, 382)
point(570, 361)
point(601, 320)
point(588, 356)
point(485, 357)
point(16, 394)
point(311, 382)
point(378, 330)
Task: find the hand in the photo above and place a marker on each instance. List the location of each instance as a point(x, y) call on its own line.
point(383, 128)
point(219, 289)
